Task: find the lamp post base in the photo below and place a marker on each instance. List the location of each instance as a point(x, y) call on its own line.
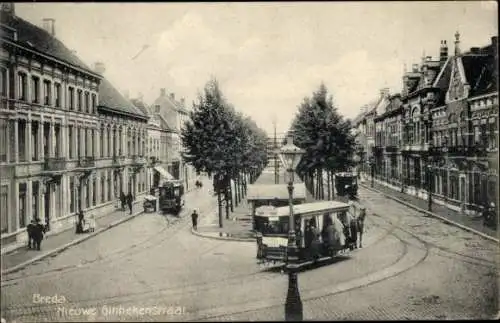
point(293, 305)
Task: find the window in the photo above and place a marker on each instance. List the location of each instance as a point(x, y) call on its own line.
point(57, 95)
point(35, 89)
point(85, 141)
point(22, 205)
point(4, 139)
point(72, 194)
point(3, 82)
point(79, 100)
point(87, 102)
point(46, 139)
point(57, 135)
point(34, 140)
point(94, 102)
point(4, 211)
point(94, 189)
point(492, 142)
point(102, 141)
point(34, 199)
point(46, 92)
point(477, 135)
point(77, 146)
point(70, 142)
point(110, 188)
point(103, 185)
point(23, 86)
point(21, 145)
point(71, 94)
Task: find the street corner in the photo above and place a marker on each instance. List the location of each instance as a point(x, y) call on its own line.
point(217, 233)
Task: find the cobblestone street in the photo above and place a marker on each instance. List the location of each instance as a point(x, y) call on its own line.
point(412, 267)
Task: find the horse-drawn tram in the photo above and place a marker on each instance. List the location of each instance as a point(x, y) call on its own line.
point(322, 229)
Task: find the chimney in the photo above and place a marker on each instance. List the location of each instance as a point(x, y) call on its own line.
point(172, 96)
point(8, 8)
point(140, 97)
point(163, 92)
point(457, 43)
point(49, 24)
point(474, 50)
point(384, 92)
point(443, 52)
point(126, 94)
point(183, 101)
point(415, 68)
point(99, 68)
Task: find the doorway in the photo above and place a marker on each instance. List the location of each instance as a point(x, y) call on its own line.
point(47, 205)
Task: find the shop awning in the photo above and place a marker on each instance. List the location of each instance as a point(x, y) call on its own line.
point(164, 173)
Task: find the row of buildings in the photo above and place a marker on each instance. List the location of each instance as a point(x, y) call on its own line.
point(69, 140)
point(441, 131)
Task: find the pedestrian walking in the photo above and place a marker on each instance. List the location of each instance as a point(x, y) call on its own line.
point(123, 200)
point(130, 198)
point(194, 219)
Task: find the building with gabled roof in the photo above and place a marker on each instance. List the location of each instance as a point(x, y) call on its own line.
point(174, 114)
point(446, 125)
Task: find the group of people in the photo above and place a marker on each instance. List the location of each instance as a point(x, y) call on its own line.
point(35, 231)
point(126, 200)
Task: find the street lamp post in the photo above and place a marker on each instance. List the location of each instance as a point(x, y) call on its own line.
point(290, 156)
point(372, 168)
point(430, 177)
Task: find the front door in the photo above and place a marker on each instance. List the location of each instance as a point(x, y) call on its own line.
point(47, 205)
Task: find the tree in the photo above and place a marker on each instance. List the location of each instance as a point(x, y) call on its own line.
point(223, 142)
point(326, 137)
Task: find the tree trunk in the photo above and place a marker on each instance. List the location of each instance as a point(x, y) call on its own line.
point(236, 191)
point(227, 200)
point(332, 179)
point(328, 185)
point(219, 202)
point(230, 193)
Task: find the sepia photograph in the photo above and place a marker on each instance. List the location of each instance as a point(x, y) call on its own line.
point(249, 161)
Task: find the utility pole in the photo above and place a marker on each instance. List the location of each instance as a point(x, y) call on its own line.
point(276, 164)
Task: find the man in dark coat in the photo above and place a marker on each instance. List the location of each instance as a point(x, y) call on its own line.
point(194, 219)
point(130, 199)
point(35, 232)
point(123, 199)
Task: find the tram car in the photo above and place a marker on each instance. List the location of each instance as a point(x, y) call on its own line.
point(171, 198)
point(321, 228)
point(346, 184)
point(272, 195)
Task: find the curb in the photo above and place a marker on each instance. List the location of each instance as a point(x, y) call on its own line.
point(448, 221)
point(196, 233)
point(69, 244)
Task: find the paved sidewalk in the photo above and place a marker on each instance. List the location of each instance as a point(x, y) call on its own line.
point(475, 223)
point(23, 254)
point(238, 226)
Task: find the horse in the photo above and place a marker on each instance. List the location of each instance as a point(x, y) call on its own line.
point(35, 232)
point(198, 184)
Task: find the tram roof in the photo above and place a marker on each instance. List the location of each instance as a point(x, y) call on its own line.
point(275, 191)
point(306, 209)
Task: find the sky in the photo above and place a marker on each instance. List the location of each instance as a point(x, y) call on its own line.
point(267, 56)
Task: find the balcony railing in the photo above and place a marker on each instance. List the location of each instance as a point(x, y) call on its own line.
point(54, 164)
point(86, 162)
